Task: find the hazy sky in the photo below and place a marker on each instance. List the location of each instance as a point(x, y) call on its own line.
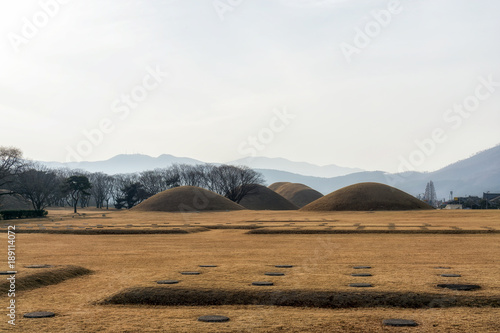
point(355, 82)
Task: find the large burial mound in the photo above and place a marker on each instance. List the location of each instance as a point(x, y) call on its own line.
point(262, 198)
point(365, 197)
point(13, 202)
point(299, 194)
point(187, 199)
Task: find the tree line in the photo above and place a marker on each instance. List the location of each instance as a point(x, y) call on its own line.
point(45, 187)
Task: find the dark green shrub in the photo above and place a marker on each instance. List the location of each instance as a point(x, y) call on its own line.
point(22, 214)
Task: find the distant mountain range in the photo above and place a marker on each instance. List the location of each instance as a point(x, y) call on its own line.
point(301, 168)
point(473, 176)
point(126, 163)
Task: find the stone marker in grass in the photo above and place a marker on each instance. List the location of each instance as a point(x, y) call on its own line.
point(283, 266)
point(361, 285)
point(208, 266)
point(362, 267)
point(262, 283)
point(451, 275)
point(213, 319)
point(274, 274)
point(190, 273)
point(38, 266)
point(400, 322)
point(361, 274)
point(459, 286)
point(167, 282)
point(39, 314)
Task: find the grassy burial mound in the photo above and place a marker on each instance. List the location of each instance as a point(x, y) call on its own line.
point(299, 194)
point(296, 298)
point(262, 198)
point(13, 202)
point(45, 277)
point(187, 199)
point(366, 197)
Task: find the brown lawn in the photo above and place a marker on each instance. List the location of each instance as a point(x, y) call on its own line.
point(401, 263)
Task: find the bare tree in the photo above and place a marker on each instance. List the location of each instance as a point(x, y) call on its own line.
point(234, 182)
point(59, 197)
point(11, 162)
point(152, 181)
point(430, 194)
point(159, 180)
point(169, 178)
point(191, 175)
point(102, 185)
point(37, 184)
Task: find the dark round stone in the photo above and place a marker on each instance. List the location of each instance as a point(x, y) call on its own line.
point(460, 286)
point(8, 273)
point(208, 266)
point(361, 274)
point(283, 266)
point(190, 273)
point(213, 319)
point(400, 322)
point(451, 275)
point(167, 282)
point(362, 267)
point(361, 285)
point(274, 274)
point(39, 266)
point(41, 314)
point(262, 283)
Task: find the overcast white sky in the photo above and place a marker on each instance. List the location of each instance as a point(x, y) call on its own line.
point(228, 76)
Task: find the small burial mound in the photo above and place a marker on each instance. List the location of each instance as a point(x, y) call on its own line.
point(262, 198)
point(357, 298)
point(367, 197)
point(298, 194)
point(45, 277)
point(187, 199)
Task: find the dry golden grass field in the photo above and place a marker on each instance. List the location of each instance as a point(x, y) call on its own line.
point(129, 251)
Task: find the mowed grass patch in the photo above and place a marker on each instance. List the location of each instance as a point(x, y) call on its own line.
point(249, 319)
point(400, 263)
point(365, 230)
point(112, 231)
point(465, 220)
